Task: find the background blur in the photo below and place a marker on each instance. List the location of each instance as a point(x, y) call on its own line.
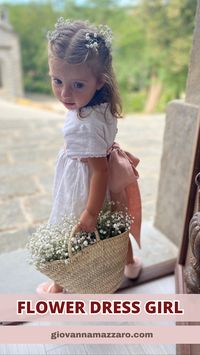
point(151, 48)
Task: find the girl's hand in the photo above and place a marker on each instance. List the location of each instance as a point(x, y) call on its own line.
point(87, 222)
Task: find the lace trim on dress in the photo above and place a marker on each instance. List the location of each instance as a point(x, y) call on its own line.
point(85, 155)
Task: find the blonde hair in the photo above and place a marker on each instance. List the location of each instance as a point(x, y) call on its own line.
point(69, 42)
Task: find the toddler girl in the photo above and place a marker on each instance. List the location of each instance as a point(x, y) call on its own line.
point(91, 168)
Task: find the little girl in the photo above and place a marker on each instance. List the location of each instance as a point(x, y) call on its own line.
point(91, 169)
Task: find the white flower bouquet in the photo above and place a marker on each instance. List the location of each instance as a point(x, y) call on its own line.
point(83, 262)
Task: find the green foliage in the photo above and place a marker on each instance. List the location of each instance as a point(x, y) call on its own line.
point(152, 39)
point(134, 101)
point(169, 28)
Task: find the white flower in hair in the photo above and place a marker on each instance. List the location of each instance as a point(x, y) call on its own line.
point(61, 22)
point(91, 40)
point(107, 34)
point(104, 32)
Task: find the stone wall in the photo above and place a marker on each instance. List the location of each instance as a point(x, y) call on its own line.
point(10, 62)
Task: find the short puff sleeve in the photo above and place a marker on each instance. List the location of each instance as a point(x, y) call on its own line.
point(88, 137)
point(87, 143)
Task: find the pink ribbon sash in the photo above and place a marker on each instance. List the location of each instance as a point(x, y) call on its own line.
point(123, 185)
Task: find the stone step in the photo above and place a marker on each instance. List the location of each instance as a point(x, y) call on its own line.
point(16, 275)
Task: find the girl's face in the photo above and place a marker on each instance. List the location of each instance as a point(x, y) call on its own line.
point(73, 84)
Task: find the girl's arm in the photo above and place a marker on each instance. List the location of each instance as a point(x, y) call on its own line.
point(98, 185)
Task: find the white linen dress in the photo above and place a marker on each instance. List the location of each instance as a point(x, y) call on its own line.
point(90, 136)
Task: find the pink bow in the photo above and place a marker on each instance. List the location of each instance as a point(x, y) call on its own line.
point(123, 185)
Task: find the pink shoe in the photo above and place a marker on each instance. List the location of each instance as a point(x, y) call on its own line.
point(133, 270)
point(48, 287)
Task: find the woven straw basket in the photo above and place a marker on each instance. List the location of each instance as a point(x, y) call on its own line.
point(98, 268)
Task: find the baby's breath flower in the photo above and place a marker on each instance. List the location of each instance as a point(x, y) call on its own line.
point(50, 242)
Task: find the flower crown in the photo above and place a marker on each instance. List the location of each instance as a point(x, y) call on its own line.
point(91, 38)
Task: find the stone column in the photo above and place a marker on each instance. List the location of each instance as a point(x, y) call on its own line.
point(178, 148)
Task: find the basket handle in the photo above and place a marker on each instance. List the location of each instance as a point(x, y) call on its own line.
point(73, 232)
point(197, 181)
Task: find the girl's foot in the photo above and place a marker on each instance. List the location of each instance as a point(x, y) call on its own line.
point(133, 270)
point(49, 287)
